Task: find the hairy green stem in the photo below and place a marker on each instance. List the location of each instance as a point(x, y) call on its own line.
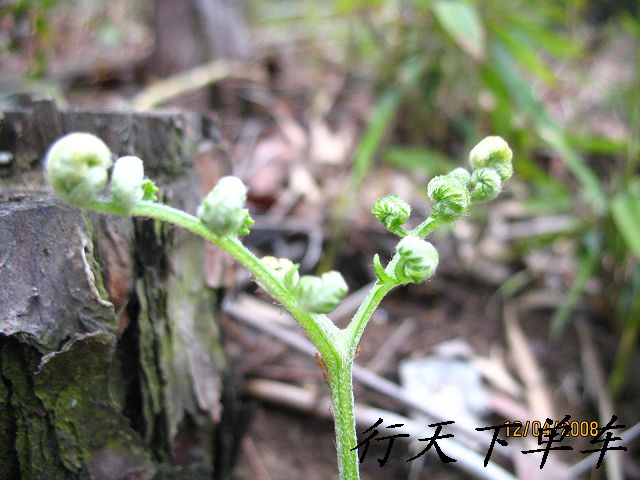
point(427, 227)
point(322, 332)
point(337, 347)
point(344, 416)
point(363, 314)
point(77, 168)
point(369, 305)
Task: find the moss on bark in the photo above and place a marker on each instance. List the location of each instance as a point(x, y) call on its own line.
point(89, 390)
point(8, 459)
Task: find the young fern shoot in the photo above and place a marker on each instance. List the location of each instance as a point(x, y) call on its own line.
point(77, 168)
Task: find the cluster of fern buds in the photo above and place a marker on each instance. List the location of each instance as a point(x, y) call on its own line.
point(78, 165)
point(453, 193)
point(451, 196)
point(78, 169)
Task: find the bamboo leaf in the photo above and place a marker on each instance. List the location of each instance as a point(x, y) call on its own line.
point(416, 158)
point(525, 52)
point(502, 67)
point(625, 210)
point(374, 134)
point(586, 266)
point(461, 21)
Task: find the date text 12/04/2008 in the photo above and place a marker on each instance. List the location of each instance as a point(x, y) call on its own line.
point(524, 428)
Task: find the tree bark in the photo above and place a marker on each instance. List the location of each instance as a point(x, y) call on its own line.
point(110, 356)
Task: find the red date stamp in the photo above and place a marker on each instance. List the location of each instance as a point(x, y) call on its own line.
point(533, 428)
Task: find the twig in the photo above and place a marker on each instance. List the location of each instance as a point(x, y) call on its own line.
point(361, 374)
point(164, 90)
point(261, 309)
point(587, 463)
point(535, 227)
point(538, 397)
point(350, 304)
point(301, 399)
point(291, 374)
point(291, 225)
point(399, 336)
point(596, 384)
point(255, 459)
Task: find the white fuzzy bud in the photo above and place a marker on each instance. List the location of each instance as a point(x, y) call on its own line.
point(492, 152)
point(77, 167)
point(222, 211)
point(485, 184)
point(449, 196)
point(320, 294)
point(392, 211)
point(460, 174)
point(126, 182)
point(418, 259)
point(283, 269)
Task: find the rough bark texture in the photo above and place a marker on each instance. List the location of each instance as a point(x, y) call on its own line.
point(109, 351)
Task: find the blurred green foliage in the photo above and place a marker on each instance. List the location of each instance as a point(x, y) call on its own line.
point(28, 30)
point(450, 71)
point(38, 34)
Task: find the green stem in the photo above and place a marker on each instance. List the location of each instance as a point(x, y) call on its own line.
point(322, 332)
point(427, 227)
point(336, 346)
point(345, 421)
point(379, 291)
point(363, 314)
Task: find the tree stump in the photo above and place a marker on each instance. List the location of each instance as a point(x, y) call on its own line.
point(110, 356)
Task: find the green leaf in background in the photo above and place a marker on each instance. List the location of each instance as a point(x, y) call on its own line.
point(461, 21)
point(625, 210)
point(587, 264)
point(588, 260)
point(373, 135)
point(598, 144)
point(349, 6)
point(418, 159)
point(629, 337)
point(504, 69)
point(525, 51)
point(542, 36)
